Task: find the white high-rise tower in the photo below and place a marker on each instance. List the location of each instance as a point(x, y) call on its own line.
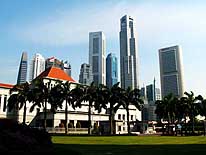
point(37, 66)
point(128, 54)
point(97, 47)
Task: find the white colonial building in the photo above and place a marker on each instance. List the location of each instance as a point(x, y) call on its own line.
point(78, 115)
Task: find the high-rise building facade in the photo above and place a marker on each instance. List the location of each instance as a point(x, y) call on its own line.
point(111, 70)
point(54, 62)
point(37, 66)
point(22, 74)
point(85, 76)
point(171, 71)
point(97, 47)
point(67, 68)
point(128, 54)
point(152, 92)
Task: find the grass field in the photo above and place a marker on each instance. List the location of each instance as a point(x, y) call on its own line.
point(129, 145)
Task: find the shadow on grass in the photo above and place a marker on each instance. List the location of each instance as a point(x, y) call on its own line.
point(80, 149)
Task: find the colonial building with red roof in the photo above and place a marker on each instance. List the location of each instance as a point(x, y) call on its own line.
point(55, 73)
point(75, 116)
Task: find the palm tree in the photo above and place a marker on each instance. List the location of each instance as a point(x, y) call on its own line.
point(19, 99)
point(66, 96)
point(166, 109)
point(102, 97)
point(40, 92)
point(132, 97)
point(90, 95)
point(202, 109)
point(63, 92)
point(115, 101)
point(190, 103)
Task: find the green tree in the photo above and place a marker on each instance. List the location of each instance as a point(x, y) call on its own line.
point(189, 103)
point(40, 94)
point(115, 100)
point(132, 97)
point(202, 109)
point(63, 92)
point(19, 99)
point(166, 109)
point(89, 95)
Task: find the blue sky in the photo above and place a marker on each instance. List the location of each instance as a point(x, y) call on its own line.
point(60, 28)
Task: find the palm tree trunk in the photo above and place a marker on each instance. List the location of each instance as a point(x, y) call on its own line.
point(193, 124)
point(66, 118)
point(185, 126)
point(45, 113)
point(111, 120)
point(168, 122)
point(24, 115)
point(89, 119)
point(128, 123)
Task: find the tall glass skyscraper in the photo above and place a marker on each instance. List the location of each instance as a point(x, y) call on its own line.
point(171, 71)
point(97, 47)
point(22, 75)
point(37, 66)
point(128, 54)
point(111, 70)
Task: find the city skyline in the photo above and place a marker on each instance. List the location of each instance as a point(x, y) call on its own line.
point(46, 28)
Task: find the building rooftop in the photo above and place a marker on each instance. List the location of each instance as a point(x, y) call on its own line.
point(3, 85)
point(56, 73)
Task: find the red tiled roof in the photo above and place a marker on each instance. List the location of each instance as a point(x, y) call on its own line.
point(6, 85)
point(56, 73)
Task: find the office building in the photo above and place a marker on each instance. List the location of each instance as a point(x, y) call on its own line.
point(111, 70)
point(22, 74)
point(97, 46)
point(37, 66)
point(85, 76)
point(53, 62)
point(171, 71)
point(152, 92)
point(67, 68)
point(128, 54)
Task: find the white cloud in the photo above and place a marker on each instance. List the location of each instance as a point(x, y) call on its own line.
point(71, 27)
point(158, 25)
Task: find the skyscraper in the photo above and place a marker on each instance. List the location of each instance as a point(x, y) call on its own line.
point(37, 66)
point(85, 76)
point(22, 75)
point(67, 68)
point(171, 71)
point(152, 92)
point(97, 46)
point(128, 54)
point(111, 70)
point(54, 62)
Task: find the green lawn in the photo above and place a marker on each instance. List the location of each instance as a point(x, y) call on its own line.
point(129, 145)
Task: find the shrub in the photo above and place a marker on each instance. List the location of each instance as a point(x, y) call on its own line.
point(16, 137)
